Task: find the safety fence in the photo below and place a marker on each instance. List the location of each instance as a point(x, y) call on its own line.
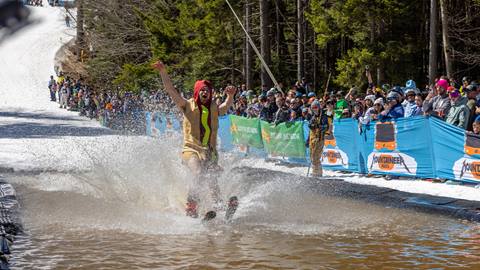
point(418, 147)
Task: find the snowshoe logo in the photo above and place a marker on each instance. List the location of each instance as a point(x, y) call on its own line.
point(385, 156)
point(386, 162)
point(332, 155)
point(468, 167)
point(392, 162)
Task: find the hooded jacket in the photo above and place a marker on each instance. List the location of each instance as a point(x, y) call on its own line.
point(437, 103)
point(459, 113)
point(196, 125)
point(394, 113)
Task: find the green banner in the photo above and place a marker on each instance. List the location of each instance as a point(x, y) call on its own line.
point(285, 139)
point(246, 131)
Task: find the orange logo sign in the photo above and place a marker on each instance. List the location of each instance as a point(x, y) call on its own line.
point(386, 162)
point(475, 169)
point(331, 157)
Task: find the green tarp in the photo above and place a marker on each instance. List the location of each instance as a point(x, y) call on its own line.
point(285, 139)
point(246, 131)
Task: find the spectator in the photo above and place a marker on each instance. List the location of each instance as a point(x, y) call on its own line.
point(372, 113)
point(283, 113)
point(341, 106)
point(471, 94)
point(393, 108)
point(357, 110)
point(241, 105)
point(52, 86)
point(476, 125)
point(437, 103)
point(306, 116)
point(459, 112)
point(465, 84)
point(319, 125)
point(419, 102)
point(270, 107)
point(410, 106)
point(369, 100)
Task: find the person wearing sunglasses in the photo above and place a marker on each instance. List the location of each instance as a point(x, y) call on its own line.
point(459, 112)
point(410, 104)
point(393, 107)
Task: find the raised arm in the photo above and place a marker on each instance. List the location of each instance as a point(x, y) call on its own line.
point(167, 82)
point(223, 108)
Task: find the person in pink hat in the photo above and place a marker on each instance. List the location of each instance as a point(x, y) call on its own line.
point(437, 103)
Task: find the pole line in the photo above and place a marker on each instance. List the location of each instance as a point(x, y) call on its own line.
point(270, 74)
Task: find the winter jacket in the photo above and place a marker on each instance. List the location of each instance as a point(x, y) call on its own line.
point(410, 108)
point(395, 112)
point(437, 103)
point(418, 111)
point(282, 115)
point(458, 114)
point(268, 112)
point(471, 116)
point(368, 117)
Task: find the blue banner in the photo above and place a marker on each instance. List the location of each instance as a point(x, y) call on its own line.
point(339, 151)
point(456, 152)
point(402, 147)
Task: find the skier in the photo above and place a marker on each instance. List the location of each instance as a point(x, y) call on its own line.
point(200, 126)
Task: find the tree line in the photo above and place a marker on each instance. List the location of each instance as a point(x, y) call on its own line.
point(313, 39)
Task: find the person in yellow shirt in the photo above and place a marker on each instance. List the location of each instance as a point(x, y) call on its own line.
point(200, 126)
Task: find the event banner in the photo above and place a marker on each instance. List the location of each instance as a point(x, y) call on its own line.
point(400, 147)
point(285, 139)
point(246, 131)
point(456, 153)
point(339, 151)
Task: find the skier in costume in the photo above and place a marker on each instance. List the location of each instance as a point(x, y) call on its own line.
point(200, 126)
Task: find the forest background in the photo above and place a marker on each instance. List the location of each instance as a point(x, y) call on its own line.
point(313, 39)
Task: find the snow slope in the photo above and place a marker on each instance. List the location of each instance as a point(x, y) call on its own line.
point(32, 128)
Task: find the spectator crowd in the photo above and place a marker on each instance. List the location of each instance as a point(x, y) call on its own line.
point(115, 110)
point(456, 104)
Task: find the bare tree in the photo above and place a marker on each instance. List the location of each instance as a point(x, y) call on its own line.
point(248, 65)
point(432, 70)
point(80, 41)
point(446, 38)
point(265, 40)
point(300, 39)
